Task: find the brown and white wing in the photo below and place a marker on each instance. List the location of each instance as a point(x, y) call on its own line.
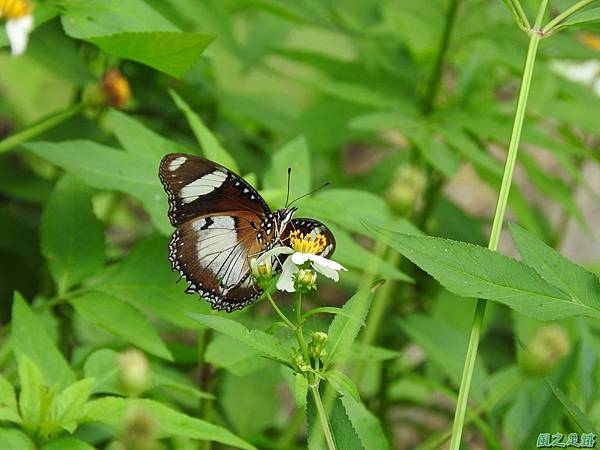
point(212, 253)
point(198, 187)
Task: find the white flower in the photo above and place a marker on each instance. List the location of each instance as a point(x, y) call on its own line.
point(302, 254)
point(292, 265)
point(18, 33)
point(587, 72)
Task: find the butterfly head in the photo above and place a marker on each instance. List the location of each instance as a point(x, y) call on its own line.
point(281, 218)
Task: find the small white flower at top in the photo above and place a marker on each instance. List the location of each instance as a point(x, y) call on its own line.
point(19, 23)
point(299, 268)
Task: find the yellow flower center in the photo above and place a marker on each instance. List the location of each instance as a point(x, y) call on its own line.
point(13, 9)
point(305, 243)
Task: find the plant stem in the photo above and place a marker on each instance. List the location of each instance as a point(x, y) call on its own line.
point(436, 76)
point(287, 321)
point(565, 15)
point(461, 405)
point(323, 417)
point(521, 13)
point(298, 327)
point(38, 128)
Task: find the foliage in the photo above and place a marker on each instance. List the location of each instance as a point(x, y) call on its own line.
point(396, 103)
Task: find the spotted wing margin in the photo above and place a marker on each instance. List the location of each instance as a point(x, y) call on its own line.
point(198, 187)
point(313, 227)
point(212, 254)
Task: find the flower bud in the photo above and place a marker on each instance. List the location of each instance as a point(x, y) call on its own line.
point(548, 347)
point(317, 345)
point(405, 188)
point(116, 89)
point(299, 362)
point(305, 280)
point(262, 272)
point(134, 372)
point(139, 430)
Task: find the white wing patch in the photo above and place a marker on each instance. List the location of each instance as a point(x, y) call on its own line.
point(174, 165)
point(219, 250)
point(202, 186)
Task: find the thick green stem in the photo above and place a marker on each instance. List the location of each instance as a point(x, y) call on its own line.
point(549, 28)
point(38, 128)
point(467, 376)
point(323, 417)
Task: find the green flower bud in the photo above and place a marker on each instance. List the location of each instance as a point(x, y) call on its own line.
point(140, 430)
point(299, 362)
point(263, 272)
point(134, 372)
point(317, 346)
point(305, 280)
point(548, 347)
point(405, 188)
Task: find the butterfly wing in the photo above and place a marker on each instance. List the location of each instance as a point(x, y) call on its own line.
point(212, 253)
point(199, 187)
point(218, 217)
point(310, 226)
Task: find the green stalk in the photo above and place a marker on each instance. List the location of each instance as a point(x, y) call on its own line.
point(549, 28)
point(287, 321)
point(436, 76)
point(38, 128)
point(323, 417)
point(467, 376)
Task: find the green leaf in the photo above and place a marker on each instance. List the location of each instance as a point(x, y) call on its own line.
point(144, 279)
point(572, 409)
point(445, 348)
point(8, 402)
point(351, 254)
point(171, 52)
point(68, 405)
point(294, 155)
point(350, 208)
point(104, 167)
point(227, 352)
point(251, 411)
point(266, 344)
point(72, 236)
point(112, 411)
point(342, 383)
point(29, 338)
point(15, 440)
point(590, 18)
point(83, 20)
point(33, 393)
point(103, 366)
point(67, 443)
point(471, 271)
point(137, 139)
point(300, 390)
point(581, 285)
point(211, 148)
point(344, 433)
point(367, 425)
point(344, 328)
point(436, 153)
point(120, 319)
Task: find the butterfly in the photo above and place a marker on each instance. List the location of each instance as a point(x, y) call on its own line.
point(221, 224)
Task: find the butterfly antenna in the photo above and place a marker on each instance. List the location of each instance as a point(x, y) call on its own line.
point(309, 193)
point(287, 197)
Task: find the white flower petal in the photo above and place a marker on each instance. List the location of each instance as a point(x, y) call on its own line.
point(274, 252)
point(300, 258)
point(327, 271)
point(286, 280)
point(18, 31)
